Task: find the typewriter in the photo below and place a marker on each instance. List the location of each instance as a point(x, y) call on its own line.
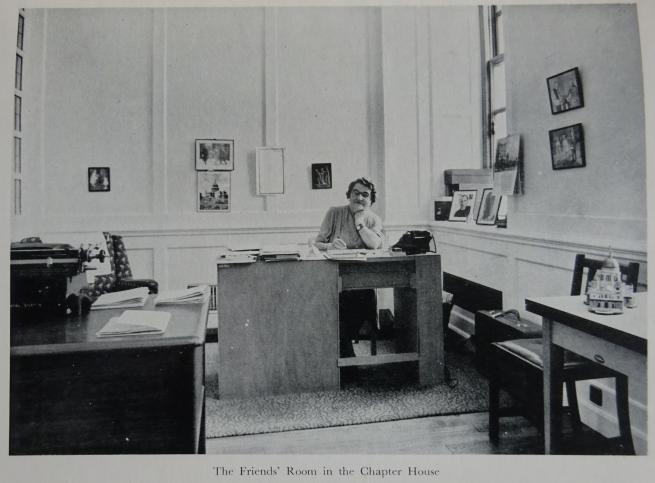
point(49, 276)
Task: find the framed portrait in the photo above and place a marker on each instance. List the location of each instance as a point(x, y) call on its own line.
point(442, 208)
point(567, 147)
point(488, 207)
point(214, 154)
point(214, 191)
point(463, 204)
point(321, 176)
point(99, 179)
point(565, 91)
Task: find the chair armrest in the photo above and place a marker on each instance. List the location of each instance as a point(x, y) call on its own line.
point(128, 283)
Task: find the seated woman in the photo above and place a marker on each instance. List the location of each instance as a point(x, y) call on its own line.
point(353, 226)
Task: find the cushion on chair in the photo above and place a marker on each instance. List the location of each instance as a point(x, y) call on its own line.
point(532, 350)
point(122, 264)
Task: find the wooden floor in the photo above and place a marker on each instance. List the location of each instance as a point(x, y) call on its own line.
point(441, 435)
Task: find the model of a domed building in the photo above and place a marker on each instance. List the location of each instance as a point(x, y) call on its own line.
point(605, 292)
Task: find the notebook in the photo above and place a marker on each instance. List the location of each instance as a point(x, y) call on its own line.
point(135, 297)
point(136, 322)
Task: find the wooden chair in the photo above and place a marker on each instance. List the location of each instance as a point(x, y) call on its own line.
point(517, 367)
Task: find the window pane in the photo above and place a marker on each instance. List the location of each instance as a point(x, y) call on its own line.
point(17, 154)
point(17, 113)
point(500, 38)
point(500, 125)
point(498, 85)
point(18, 84)
point(21, 28)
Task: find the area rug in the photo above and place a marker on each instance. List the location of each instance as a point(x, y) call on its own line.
point(376, 394)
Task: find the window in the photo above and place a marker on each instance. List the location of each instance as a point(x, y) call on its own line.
point(18, 118)
point(495, 105)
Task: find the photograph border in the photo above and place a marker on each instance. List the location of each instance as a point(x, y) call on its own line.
point(451, 215)
point(88, 179)
point(552, 132)
point(199, 167)
point(576, 72)
point(485, 193)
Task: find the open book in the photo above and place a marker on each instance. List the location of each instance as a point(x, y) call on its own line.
point(136, 322)
point(191, 295)
point(135, 297)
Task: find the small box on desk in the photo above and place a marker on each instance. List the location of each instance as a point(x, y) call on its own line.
point(495, 326)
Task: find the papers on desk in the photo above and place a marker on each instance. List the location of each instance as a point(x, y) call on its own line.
point(136, 322)
point(347, 254)
point(135, 297)
point(279, 253)
point(193, 295)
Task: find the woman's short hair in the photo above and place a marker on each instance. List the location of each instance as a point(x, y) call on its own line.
point(363, 181)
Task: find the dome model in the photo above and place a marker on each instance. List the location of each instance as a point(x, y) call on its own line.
point(605, 291)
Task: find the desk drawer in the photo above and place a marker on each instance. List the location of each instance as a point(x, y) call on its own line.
point(611, 355)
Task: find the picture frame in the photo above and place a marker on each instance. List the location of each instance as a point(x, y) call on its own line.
point(321, 176)
point(442, 208)
point(567, 147)
point(489, 205)
point(214, 154)
point(463, 205)
point(269, 170)
point(214, 191)
point(565, 91)
point(99, 179)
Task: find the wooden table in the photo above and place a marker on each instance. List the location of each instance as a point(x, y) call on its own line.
point(278, 322)
point(617, 341)
point(74, 393)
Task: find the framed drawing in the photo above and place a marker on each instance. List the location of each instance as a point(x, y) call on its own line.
point(488, 207)
point(442, 208)
point(98, 179)
point(321, 176)
point(463, 204)
point(565, 91)
point(567, 147)
point(508, 166)
point(214, 191)
point(214, 154)
point(269, 171)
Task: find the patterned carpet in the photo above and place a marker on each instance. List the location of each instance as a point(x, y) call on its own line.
point(380, 393)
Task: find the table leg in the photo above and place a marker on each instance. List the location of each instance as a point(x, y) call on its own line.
point(553, 366)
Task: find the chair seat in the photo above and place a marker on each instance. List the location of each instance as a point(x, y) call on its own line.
point(532, 351)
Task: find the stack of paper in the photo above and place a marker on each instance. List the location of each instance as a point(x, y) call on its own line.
point(347, 254)
point(136, 322)
point(191, 295)
point(280, 252)
point(237, 257)
point(135, 297)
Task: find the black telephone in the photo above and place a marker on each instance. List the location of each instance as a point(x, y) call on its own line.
point(415, 242)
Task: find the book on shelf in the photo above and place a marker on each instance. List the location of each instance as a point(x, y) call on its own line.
point(134, 297)
point(136, 322)
point(192, 295)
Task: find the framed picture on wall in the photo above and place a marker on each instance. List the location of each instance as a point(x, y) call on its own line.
point(463, 204)
point(98, 179)
point(321, 176)
point(565, 91)
point(214, 191)
point(567, 147)
point(214, 154)
point(488, 207)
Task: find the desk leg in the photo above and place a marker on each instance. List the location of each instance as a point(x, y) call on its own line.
point(553, 365)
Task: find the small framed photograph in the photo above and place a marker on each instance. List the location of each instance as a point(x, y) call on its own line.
point(463, 204)
point(321, 176)
point(214, 191)
point(488, 207)
point(442, 208)
point(99, 179)
point(565, 91)
point(214, 154)
point(567, 147)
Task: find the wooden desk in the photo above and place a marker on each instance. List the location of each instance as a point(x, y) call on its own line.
point(278, 322)
point(617, 341)
point(74, 393)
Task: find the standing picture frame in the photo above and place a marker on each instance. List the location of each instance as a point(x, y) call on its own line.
point(98, 179)
point(463, 205)
point(565, 91)
point(567, 147)
point(214, 191)
point(321, 176)
point(489, 205)
point(214, 154)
